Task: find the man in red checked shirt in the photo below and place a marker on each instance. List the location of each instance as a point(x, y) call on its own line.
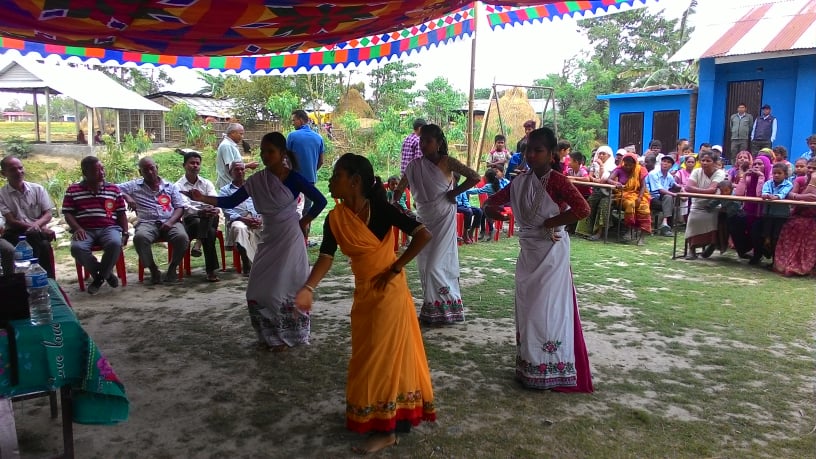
point(95, 211)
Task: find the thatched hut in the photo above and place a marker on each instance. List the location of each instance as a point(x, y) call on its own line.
point(515, 109)
point(353, 102)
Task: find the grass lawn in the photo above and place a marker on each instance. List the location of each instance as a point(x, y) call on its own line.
point(690, 359)
point(60, 131)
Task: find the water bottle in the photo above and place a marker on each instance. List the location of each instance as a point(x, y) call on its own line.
point(39, 302)
point(23, 252)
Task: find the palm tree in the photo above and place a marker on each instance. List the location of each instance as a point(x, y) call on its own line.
point(213, 84)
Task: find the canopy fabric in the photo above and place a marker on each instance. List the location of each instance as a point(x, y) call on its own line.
point(216, 28)
point(501, 16)
point(350, 53)
point(88, 87)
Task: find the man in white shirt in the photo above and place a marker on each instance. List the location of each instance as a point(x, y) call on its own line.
point(200, 220)
point(27, 208)
point(229, 151)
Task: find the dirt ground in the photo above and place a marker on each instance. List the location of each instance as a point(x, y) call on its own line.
point(187, 358)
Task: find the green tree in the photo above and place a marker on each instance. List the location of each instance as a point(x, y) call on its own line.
point(251, 96)
point(629, 49)
point(212, 85)
point(315, 89)
point(392, 84)
point(142, 81)
point(482, 93)
point(440, 101)
point(283, 103)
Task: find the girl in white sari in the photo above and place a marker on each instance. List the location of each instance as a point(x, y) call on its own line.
point(281, 264)
point(430, 179)
point(551, 353)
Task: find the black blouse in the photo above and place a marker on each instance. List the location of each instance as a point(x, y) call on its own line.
point(384, 216)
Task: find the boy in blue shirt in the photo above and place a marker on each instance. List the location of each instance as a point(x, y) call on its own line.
point(766, 230)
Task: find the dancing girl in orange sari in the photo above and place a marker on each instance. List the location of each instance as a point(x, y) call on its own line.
point(389, 383)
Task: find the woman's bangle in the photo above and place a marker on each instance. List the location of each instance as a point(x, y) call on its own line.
point(395, 271)
point(308, 287)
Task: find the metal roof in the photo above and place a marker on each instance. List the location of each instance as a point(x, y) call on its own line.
point(88, 87)
point(757, 29)
point(203, 105)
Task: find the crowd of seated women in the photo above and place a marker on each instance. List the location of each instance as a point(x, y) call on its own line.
point(757, 230)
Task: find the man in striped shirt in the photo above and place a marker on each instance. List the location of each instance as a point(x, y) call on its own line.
point(160, 207)
point(95, 211)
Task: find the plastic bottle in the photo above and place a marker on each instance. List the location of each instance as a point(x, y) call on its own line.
point(23, 253)
point(39, 302)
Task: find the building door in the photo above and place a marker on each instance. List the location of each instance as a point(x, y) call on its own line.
point(666, 128)
point(741, 92)
point(631, 130)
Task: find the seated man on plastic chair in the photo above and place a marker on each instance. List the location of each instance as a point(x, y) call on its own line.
point(95, 211)
point(159, 206)
point(244, 222)
point(27, 209)
point(200, 220)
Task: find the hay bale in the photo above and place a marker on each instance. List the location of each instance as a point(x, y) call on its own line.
point(515, 110)
point(353, 102)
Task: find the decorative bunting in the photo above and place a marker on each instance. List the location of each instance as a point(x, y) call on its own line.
point(498, 17)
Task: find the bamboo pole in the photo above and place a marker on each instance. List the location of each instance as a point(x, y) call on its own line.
point(482, 130)
point(472, 93)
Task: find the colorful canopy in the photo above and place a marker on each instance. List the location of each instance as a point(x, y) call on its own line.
point(255, 35)
point(359, 50)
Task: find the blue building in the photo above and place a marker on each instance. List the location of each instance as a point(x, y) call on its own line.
point(635, 118)
point(762, 54)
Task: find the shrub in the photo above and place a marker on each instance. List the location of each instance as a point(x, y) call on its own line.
point(16, 146)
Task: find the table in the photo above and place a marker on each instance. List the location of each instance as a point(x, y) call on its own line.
point(62, 356)
point(726, 197)
point(611, 189)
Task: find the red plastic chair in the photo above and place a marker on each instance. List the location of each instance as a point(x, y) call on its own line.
point(498, 224)
point(169, 257)
point(83, 274)
point(218, 235)
point(460, 229)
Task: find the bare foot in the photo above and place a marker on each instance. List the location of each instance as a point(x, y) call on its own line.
point(376, 442)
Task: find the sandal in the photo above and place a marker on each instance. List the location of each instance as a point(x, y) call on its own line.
point(212, 278)
point(195, 252)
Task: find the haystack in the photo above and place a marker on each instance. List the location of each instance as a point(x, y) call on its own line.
point(515, 110)
point(353, 102)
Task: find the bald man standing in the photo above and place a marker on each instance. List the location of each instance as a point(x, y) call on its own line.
point(229, 151)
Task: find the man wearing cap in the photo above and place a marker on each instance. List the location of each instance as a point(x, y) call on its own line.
point(718, 152)
point(741, 124)
point(245, 224)
point(764, 132)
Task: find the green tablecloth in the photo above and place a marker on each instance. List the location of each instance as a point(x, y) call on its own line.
point(59, 354)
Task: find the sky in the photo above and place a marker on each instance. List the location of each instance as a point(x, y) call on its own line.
point(514, 55)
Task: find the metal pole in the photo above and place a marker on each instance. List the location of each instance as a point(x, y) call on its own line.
point(498, 110)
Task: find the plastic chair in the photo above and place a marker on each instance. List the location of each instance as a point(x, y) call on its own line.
point(236, 259)
point(169, 257)
point(218, 235)
point(83, 274)
point(498, 224)
point(460, 229)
